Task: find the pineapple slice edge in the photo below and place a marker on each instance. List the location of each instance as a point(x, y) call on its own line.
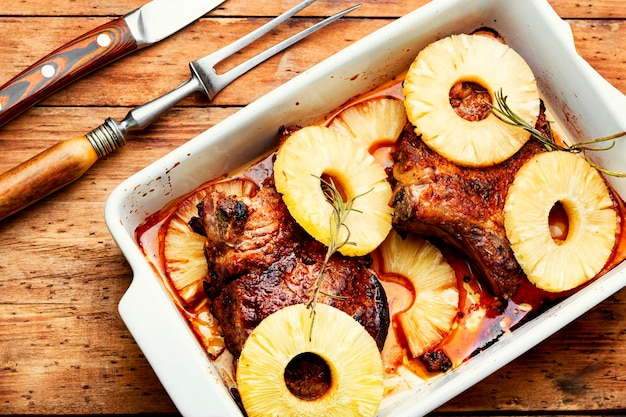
point(375, 121)
point(350, 352)
point(462, 57)
point(316, 150)
point(544, 180)
point(432, 314)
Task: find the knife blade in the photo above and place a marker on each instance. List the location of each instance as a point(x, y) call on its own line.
point(138, 29)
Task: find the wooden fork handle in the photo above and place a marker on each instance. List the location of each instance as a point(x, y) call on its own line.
point(45, 173)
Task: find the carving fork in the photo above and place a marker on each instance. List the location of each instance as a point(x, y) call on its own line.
point(68, 160)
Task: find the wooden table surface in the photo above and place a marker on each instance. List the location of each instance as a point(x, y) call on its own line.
point(63, 346)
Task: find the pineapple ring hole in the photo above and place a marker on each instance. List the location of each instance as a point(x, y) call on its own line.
point(558, 222)
point(308, 376)
point(337, 183)
point(470, 100)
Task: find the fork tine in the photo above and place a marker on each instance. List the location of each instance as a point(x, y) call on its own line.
point(112, 134)
point(256, 60)
point(214, 83)
point(223, 53)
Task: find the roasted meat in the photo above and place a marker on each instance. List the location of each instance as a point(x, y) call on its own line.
point(260, 260)
point(459, 205)
point(436, 360)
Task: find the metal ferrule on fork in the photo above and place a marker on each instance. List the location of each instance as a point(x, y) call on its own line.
point(106, 138)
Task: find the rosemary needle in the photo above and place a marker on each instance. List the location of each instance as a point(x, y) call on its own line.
point(341, 210)
point(503, 112)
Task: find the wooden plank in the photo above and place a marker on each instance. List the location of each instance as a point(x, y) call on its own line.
point(72, 354)
point(588, 9)
point(369, 8)
point(43, 127)
point(158, 72)
point(578, 369)
point(602, 44)
point(158, 69)
point(62, 362)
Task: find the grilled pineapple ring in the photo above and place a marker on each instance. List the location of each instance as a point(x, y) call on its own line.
point(473, 58)
point(183, 249)
point(314, 151)
point(377, 121)
point(352, 356)
point(548, 178)
point(435, 306)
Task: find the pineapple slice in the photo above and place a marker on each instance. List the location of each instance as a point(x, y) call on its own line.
point(433, 311)
point(372, 122)
point(315, 151)
point(478, 59)
point(355, 364)
point(183, 249)
point(552, 264)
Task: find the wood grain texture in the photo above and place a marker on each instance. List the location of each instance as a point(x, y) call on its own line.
point(588, 9)
point(45, 173)
point(63, 346)
point(69, 63)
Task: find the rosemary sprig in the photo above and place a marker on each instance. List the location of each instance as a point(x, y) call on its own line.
point(341, 210)
point(503, 112)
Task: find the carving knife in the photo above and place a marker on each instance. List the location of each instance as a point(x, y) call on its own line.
point(148, 24)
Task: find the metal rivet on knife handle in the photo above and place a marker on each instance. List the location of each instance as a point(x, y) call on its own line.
point(149, 24)
point(41, 175)
point(59, 69)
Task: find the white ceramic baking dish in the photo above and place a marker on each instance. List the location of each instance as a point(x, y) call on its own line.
point(582, 101)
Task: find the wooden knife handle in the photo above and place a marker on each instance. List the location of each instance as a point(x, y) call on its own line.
point(65, 65)
point(45, 173)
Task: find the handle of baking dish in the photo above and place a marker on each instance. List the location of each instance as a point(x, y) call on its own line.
point(173, 352)
point(616, 97)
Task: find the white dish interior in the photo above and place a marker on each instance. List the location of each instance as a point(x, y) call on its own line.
point(583, 102)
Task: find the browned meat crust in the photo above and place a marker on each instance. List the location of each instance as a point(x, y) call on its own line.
point(462, 206)
point(260, 261)
point(436, 361)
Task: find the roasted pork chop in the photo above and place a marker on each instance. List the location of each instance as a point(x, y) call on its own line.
point(459, 205)
point(260, 260)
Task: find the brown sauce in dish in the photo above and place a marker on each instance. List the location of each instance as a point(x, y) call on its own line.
point(482, 318)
